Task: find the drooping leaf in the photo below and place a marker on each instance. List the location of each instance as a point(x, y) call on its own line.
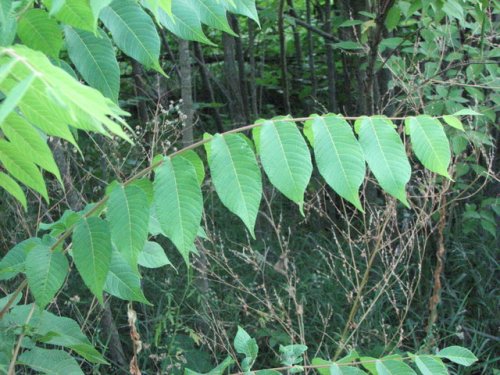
point(55, 99)
point(178, 202)
point(459, 355)
point(97, 6)
point(219, 370)
point(123, 281)
point(8, 23)
point(184, 21)
point(25, 137)
point(20, 166)
point(244, 344)
point(76, 13)
point(336, 368)
point(213, 13)
point(393, 367)
point(292, 354)
point(243, 7)
point(153, 256)
point(430, 143)
point(454, 122)
point(63, 331)
point(92, 252)
point(385, 155)
point(13, 188)
point(95, 59)
point(133, 32)
point(128, 217)
point(285, 158)
point(236, 176)
point(429, 365)
point(14, 96)
point(338, 155)
point(45, 271)
point(50, 361)
point(14, 261)
point(195, 160)
point(39, 31)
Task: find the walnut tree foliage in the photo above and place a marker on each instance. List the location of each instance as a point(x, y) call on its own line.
point(110, 240)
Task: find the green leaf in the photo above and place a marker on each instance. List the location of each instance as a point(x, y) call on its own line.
point(393, 17)
point(292, 354)
point(63, 331)
point(13, 188)
point(25, 137)
point(153, 256)
point(51, 362)
point(178, 202)
point(212, 13)
point(430, 365)
point(454, 10)
point(348, 45)
point(467, 112)
point(454, 122)
point(184, 21)
point(20, 166)
point(219, 370)
point(76, 13)
point(245, 8)
point(14, 261)
point(285, 158)
point(128, 217)
point(459, 355)
point(133, 32)
point(45, 271)
point(244, 344)
point(335, 368)
point(123, 281)
point(236, 176)
point(95, 59)
point(92, 253)
point(56, 99)
point(393, 367)
point(14, 97)
point(39, 31)
point(8, 24)
point(97, 6)
point(338, 155)
point(385, 155)
point(430, 143)
point(197, 163)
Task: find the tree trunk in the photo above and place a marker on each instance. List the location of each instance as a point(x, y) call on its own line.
point(198, 52)
point(240, 58)
point(251, 58)
point(186, 92)
point(284, 74)
point(233, 84)
point(140, 91)
point(296, 40)
point(310, 52)
point(330, 61)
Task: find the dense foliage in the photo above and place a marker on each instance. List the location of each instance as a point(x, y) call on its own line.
point(380, 259)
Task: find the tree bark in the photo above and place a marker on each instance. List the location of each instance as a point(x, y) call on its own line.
point(140, 90)
point(330, 60)
point(283, 65)
point(232, 81)
point(198, 52)
point(296, 40)
point(240, 58)
point(310, 52)
point(186, 92)
point(251, 58)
